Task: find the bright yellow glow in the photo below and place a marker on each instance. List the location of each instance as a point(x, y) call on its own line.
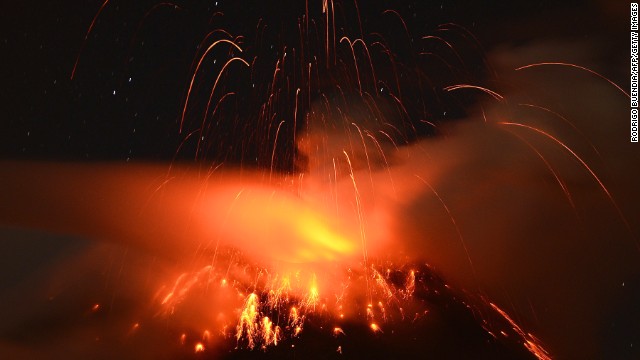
point(326, 244)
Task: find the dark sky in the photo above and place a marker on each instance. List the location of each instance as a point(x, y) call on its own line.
point(134, 68)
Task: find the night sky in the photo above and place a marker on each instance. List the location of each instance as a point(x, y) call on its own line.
point(135, 66)
point(118, 96)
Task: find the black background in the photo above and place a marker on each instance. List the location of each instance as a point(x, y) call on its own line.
point(46, 115)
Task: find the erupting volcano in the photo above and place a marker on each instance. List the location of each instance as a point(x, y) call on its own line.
point(343, 180)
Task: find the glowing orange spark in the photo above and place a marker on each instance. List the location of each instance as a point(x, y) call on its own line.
point(531, 342)
point(213, 88)
point(273, 152)
point(438, 38)
point(584, 164)
point(270, 334)
point(410, 285)
point(314, 295)
point(453, 221)
point(86, 36)
point(566, 121)
point(366, 153)
point(375, 328)
point(404, 24)
point(195, 73)
point(565, 190)
point(576, 67)
point(355, 60)
point(247, 325)
point(363, 236)
point(494, 94)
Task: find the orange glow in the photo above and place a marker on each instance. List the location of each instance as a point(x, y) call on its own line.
point(248, 326)
point(375, 327)
point(531, 342)
point(328, 242)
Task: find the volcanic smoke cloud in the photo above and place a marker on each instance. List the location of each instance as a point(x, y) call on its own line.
point(529, 204)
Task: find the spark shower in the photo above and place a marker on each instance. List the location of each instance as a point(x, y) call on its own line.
point(343, 186)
